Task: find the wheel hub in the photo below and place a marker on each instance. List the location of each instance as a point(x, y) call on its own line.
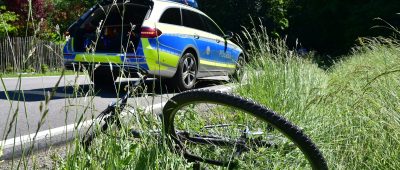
point(189, 71)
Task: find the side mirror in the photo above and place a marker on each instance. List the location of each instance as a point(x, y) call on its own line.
point(229, 35)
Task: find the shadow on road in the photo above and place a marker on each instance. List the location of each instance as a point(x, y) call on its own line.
point(153, 87)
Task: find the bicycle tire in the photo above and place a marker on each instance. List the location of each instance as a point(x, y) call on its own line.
point(292, 132)
point(109, 117)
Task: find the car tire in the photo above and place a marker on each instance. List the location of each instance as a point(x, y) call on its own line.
point(186, 73)
point(238, 74)
point(103, 78)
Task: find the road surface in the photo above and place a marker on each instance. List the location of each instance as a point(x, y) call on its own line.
point(23, 102)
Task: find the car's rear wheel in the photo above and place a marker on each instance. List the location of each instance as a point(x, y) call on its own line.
point(186, 74)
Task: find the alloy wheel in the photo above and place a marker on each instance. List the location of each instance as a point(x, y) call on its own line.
point(189, 70)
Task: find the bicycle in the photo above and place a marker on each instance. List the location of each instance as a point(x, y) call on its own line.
point(205, 139)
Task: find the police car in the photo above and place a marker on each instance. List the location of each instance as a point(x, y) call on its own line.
point(171, 40)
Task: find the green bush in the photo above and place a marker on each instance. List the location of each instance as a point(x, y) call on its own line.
point(9, 69)
point(30, 69)
point(44, 68)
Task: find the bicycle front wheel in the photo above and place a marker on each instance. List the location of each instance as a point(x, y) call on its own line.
point(227, 130)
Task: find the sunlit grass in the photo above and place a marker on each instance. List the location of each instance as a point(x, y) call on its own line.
point(351, 111)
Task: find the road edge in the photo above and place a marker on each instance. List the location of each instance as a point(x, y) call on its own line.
point(16, 147)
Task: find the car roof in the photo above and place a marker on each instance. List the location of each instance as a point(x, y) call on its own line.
point(177, 4)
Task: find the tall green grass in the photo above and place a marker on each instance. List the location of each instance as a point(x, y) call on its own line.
point(117, 149)
point(351, 111)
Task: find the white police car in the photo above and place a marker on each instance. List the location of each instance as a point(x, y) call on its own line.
point(159, 38)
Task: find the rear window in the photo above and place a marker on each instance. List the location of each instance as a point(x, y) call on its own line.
point(171, 16)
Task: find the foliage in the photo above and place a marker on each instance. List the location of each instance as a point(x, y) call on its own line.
point(328, 27)
point(30, 69)
point(350, 111)
point(44, 68)
point(332, 27)
point(233, 14)
point(69, 11)
point(39, 8)
point(35, 16)
point(118, 147)
point(6, 18)
point(9, 69)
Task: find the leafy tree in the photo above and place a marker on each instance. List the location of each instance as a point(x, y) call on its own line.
point(333, 26)
point(33, 14)
point(233, 14)
point(40, 8)
point(330, 27)
point(6, 18)
point(70, 10)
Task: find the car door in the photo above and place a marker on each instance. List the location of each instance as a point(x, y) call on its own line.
point(222, 53)
point(204, 41)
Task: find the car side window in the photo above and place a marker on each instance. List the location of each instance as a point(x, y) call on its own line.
point(193, 20)
point(212, 27)
point(171, 16)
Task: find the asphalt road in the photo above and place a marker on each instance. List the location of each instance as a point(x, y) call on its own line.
point(26, 102)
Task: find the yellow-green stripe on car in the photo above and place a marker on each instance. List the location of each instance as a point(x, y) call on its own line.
point(154, 60)
point(98, 58)
point(210, 63)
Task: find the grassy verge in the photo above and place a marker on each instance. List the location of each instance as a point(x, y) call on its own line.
point(351, 111)
point(33, 74)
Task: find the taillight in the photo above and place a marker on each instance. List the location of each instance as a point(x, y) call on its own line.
point(147, 32)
